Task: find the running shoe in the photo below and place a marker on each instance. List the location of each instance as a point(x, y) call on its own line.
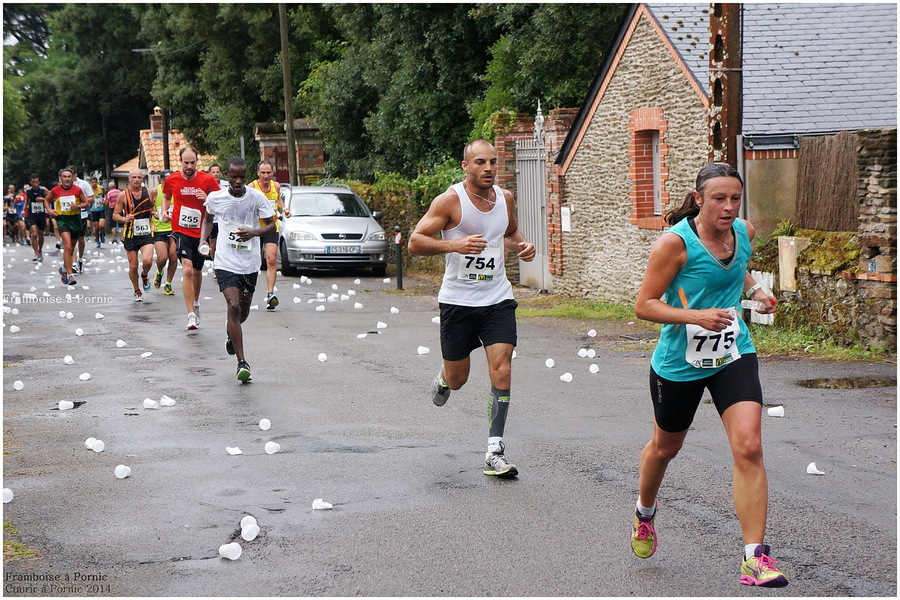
point(439, 390)
point(192, 322)
point(157, 279)
point(138, 296)
point(243, 372)
point(41, 257)
point(98, 245)
point(760, 569)
point(643, 535)
point(58, 247)
point(167, 290)
point(63, 276)
point(271, 301)
point(197, 312)
point(103, 237)
point(145, 281)
point(71, 280)
point(36, 258)
point(229, 347)
point(80, 266)
point(495, 464)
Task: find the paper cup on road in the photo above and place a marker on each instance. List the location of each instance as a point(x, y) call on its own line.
point(7, 495)
point(66, 405)
point(565, 377)
point(14, 329)
point(68, 359)
point(582, 352)
point(249, 533)
point(776, 411)
point(395, 310)
point(146, 354)
point(98, 446)
point(123, 471)
point(361, 335)
point(233, 451)
point(592, 333)
point(591, 353)
point(18, 386)
point(272, 447)
point(166, 401)
point(151, 403)
point(319, 504)
point(247, 521)
point(120, 343)
point(230, 551)
point(297, 300)
point(84, 376)
point(380, 325)
point(357, 305)
point(423, 350)
point(264, 424)
point(435, 319)
point(813, 470)
point(62, 313)
point(98, 316)
point(79, 332)
point(70, 315)
point(322, 357)
point(594, 368)
point(320, 308)
point(549, 363)
point(89, 443)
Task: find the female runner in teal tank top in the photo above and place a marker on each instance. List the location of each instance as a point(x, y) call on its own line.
point(696, 274)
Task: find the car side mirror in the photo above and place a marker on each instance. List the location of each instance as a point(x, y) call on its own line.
point(377, 214)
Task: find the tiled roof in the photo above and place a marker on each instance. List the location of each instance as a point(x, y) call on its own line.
point(125, 168)
point(152, 152)
point(808, 68)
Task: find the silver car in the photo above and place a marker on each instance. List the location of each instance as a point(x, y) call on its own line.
point(329, 227)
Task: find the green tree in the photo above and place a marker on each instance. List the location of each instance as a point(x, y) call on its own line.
point(90, 96)
point(397, 97)
point(549, 52)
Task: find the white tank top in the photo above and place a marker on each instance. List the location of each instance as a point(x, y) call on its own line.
point(480, 279)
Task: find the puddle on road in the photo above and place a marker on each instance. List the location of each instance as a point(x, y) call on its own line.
point(847, 383)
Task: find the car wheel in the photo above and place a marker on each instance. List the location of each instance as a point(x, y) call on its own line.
point(286, 267)
point(379, 270)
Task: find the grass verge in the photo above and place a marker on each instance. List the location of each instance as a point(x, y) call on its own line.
point(11, 548)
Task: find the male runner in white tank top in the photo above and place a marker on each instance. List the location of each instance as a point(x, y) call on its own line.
point(477, 223)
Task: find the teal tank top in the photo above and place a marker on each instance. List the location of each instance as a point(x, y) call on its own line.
point(685, 352)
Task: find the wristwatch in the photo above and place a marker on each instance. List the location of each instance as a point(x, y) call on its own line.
point(753, 289)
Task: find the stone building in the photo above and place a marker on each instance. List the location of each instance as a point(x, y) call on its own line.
point(807, 71)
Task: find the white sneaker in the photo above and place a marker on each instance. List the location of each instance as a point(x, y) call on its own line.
point(193, 321)
point(197, 313)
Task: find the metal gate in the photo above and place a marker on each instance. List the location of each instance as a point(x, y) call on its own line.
point(531, 177)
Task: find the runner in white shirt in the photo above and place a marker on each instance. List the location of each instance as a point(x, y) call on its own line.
point(239, 210)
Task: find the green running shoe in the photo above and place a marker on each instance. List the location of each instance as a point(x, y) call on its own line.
point(760, 569)
point(243, 372)
point(643, 535)
point(495, 464)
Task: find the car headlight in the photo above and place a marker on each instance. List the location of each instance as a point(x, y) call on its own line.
point(378, 236)
point(302, 235)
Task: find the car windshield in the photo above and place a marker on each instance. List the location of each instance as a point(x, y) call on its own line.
point(327, 204)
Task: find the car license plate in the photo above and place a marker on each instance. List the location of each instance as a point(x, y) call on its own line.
point(342, 250)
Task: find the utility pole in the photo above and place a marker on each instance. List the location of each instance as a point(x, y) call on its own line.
point(725, 80)
point(288, 111)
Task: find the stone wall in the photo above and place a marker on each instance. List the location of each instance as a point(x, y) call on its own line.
point(861, 307)
point(605, 254)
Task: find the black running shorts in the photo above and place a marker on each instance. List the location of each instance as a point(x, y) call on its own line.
point(245, 282)
point(464, 328)
point(676, 402)
point(188, 247)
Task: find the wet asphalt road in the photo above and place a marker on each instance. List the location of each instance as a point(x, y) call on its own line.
point(413, 514)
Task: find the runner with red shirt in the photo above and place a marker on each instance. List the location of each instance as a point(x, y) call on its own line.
point(188, 189)
point(68, 200)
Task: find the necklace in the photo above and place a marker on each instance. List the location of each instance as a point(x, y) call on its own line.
point(727, 247)
point(491, 202)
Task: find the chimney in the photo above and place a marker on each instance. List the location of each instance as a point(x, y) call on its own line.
point(156, 124)
point(725, 64)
